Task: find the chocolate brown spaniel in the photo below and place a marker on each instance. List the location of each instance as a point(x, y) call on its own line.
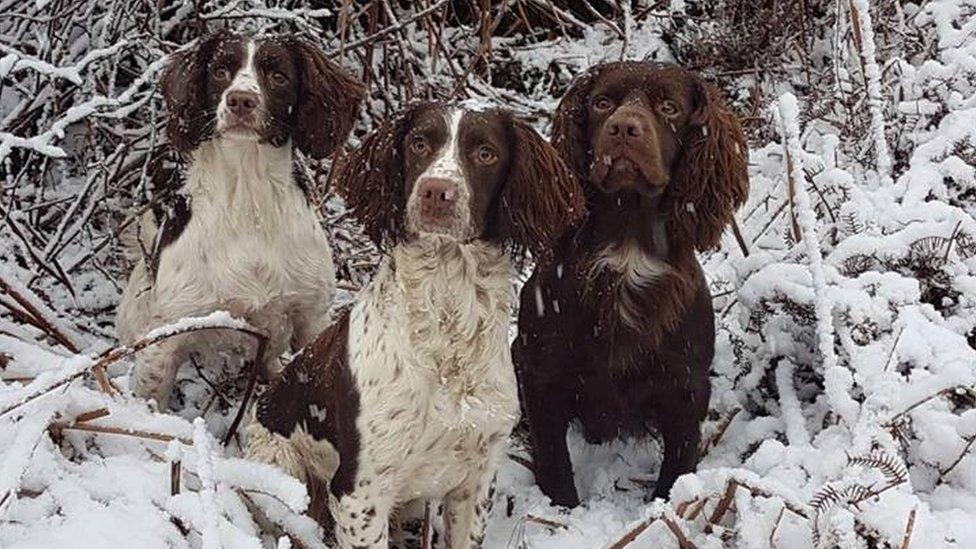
point(618, 330)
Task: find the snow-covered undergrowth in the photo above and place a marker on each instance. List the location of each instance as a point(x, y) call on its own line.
point(844, 387)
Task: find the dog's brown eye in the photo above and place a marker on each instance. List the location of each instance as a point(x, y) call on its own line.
point(668, 108)
point(419, 145)
point(279, 78)
point(221, 74)
point(486, 155)
point(602, 103)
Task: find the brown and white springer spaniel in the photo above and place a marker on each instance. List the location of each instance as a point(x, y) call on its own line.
point(618, 330)
point(241, 234)
point(411, 394)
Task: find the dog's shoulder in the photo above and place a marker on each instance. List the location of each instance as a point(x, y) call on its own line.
point(316, 391)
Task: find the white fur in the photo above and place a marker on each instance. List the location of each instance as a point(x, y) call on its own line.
point(429, 351)
point(253, 246)
point(637, 270)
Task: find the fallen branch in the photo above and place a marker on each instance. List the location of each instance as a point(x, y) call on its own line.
point(908, 529)
point(36, 315)
point(105, 429)
point(219, 320)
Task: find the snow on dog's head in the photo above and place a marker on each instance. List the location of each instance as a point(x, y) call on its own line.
point(273, 90)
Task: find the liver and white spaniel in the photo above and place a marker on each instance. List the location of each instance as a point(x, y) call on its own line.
point(618, 330)
point(411, 394)
point(240, 234)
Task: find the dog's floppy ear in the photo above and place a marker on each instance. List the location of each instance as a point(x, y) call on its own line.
point(328, 101)
point(569, 125)
point(542, 198)
point(183, 85)
point(711, 178)
point(371, 181)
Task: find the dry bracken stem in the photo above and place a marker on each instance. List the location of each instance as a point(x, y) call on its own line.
point(907, 538)
point(147, 435)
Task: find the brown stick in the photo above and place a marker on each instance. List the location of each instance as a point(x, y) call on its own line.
point(545, 522)
point(256, 364)
point(908, 529)
point(105, 429)
point(683, 541)
point(634, 532)
point(715, 438)
point(175, 468)
point(723, 504)
point(772, 533)
point(37, 318)
point(952, 466)
point(696, 509)
point(791, 194)
point(91, 415)
point(425, 528)
point(738, 238)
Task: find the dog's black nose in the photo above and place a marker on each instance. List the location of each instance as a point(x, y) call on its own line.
point(437, 197)
point(242, 103)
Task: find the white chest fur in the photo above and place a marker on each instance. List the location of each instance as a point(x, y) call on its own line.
point(429, 351)
point(252, 239)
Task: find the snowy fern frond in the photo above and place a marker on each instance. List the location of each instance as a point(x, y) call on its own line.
point(890, 466)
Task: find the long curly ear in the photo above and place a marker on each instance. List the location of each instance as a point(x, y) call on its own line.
point(711, 179)
point(542, 199)
point(328, 101)
point(183, 86)
point(569, 126)
point(371, 181)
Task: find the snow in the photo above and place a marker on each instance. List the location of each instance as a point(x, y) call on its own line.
point(838, 357)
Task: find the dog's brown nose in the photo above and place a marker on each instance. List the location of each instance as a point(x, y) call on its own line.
point(437, 197)
point(625, 126)
point(242, 103)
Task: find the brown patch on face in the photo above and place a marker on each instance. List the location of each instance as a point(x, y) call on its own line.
point(192, 91)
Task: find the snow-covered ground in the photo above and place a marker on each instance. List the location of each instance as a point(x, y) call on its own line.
point(844, 386)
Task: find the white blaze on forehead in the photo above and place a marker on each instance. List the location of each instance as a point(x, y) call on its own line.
point(447, 164)
point(246, 78)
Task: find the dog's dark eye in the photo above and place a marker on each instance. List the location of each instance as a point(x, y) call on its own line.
point(279, 78)
point(486, 155)
point(602, 103)
point(221, 73)
point(668, 108)
point(419, 145)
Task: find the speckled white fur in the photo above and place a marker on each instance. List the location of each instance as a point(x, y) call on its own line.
point(429, 351)
point(253, 246)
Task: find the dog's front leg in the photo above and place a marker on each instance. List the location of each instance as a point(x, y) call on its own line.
point(155, 371)
point(362, 518)
point(465, 510)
